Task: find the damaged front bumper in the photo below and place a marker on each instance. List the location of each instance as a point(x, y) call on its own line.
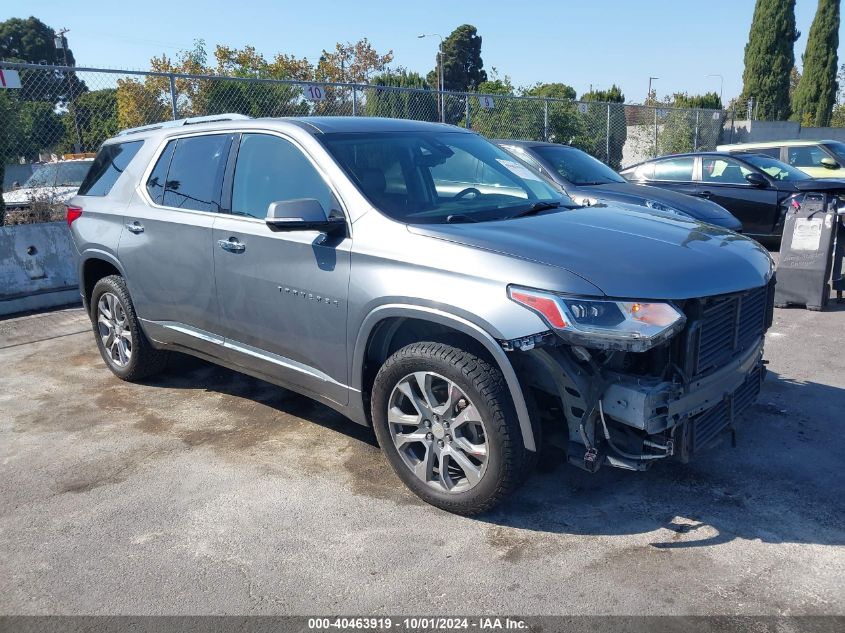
point(631, 421)
point(658, 406)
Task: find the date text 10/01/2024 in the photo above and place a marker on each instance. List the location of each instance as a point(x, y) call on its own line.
point(415, 623)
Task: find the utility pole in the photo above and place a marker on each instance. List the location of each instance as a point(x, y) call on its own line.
point(60, 41)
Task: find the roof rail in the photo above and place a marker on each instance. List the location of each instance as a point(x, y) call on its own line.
point(211, 118)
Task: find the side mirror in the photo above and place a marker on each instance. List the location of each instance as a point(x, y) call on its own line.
point(758, 180)
point(829, 162)
point(302, 214)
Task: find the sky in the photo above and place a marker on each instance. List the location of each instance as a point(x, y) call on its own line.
point(582, 43)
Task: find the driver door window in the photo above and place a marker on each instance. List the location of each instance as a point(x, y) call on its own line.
point(271, 169)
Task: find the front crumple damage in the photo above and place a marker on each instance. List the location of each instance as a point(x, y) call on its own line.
point(629, 410)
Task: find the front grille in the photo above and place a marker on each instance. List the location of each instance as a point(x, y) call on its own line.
point(727, 326)
point(706, 426)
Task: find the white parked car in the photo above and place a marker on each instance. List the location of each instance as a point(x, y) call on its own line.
point(52, 183)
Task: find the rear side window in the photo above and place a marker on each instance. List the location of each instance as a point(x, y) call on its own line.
point(678, 169)
point(195, 176)
point(112, 160)
point(155, 183)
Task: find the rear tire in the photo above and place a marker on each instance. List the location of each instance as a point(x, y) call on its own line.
point(122, 343)
point(445, 420)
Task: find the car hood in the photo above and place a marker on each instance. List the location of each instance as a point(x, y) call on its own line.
point(638, 194)
point(820, 184)
point(624, 251)
point(27, 195)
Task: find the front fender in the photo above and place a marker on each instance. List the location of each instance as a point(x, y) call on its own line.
point(449, 320)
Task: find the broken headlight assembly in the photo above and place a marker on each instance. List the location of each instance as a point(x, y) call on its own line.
point(633, 326)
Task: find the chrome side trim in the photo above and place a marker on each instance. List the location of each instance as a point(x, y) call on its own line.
point(281, 361)
point(248, 350)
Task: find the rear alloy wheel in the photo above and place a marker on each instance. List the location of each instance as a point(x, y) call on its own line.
point(113, 328)
point(445, 420)
point(122, 344)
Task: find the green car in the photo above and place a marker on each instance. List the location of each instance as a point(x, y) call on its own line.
point(819, 159)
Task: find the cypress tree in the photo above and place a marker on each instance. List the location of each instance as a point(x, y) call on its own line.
point(816, 92)
point(769, 58)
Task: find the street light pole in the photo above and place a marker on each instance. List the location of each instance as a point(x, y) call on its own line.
point(441, 83)
point(721, 84)
point(650, 79)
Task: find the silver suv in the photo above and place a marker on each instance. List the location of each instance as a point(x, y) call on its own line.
point(416, 278)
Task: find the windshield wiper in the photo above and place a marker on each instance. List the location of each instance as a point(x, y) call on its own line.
point(457, 218)
point(536, 208)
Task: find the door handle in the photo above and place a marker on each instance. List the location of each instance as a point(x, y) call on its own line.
point(135, 227)
point(231, 245)
point(703, 194)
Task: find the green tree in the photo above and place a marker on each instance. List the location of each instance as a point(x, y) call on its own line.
point(352, 63)
point(816, 92)
point(565, 124)
point(707, 101)
point(251, 99)
point(399, 103)
point(30, 40)
point(596, 123)
point(769, 58)
point(38, 128)
point(96, 114)
point(463, 68)
point(837, 119)
point(692, 123)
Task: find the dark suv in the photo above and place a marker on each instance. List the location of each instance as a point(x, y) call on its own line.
point(416, 278)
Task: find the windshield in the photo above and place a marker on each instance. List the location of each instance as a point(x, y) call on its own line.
point(775, 168)
point(838, 149)
point(436, 177)
point(58, 175)
point(576, 166)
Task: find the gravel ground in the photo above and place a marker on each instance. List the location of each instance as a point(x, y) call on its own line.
point(207, 492)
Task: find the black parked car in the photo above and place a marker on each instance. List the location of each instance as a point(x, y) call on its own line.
point(756, 188)
point(588, 181)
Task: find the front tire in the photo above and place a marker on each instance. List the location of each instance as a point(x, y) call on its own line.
point(122, 343)
point(446, 422)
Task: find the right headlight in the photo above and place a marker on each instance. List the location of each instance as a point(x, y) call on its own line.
point(633, 326)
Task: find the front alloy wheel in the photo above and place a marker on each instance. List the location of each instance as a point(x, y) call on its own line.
point(445, 420)
point(437, 431)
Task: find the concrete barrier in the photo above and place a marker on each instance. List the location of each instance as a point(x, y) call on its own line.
point(37, 267)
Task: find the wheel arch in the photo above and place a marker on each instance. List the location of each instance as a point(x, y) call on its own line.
point(93, 266)
point(382, 331)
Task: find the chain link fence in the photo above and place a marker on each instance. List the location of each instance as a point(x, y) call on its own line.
point(62, 110)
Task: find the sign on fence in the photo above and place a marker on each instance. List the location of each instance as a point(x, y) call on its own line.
point(9, 79)
point(583, 108)
point(486, 102)
point(314, 93)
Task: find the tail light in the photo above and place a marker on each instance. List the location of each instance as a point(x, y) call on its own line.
point(73, 214)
